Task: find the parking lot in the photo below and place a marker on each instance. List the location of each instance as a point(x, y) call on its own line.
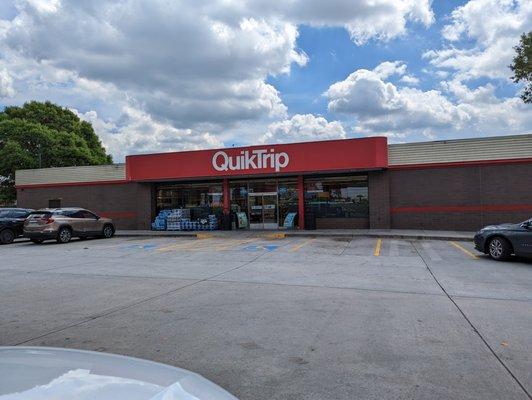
point(292, 318)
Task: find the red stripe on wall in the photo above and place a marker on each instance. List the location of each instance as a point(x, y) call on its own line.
point(474, 208)
point(461, 164)
point(94, 183)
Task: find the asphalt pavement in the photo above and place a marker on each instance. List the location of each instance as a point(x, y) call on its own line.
point(284, 318)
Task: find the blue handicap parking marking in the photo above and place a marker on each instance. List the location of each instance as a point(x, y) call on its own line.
point(147, 246)
point(271, 247)
point(260, 247)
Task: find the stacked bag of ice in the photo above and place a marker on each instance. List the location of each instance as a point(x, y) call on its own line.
point(175, 218)
point(160, 220)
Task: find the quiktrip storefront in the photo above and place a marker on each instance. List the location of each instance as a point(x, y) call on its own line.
point(326, 180)
point(351, 183)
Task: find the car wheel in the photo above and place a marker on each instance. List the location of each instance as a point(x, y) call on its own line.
point(7, 236)
point(64, 235)
point(108, 231)
point(37, 241)
point(499, 249)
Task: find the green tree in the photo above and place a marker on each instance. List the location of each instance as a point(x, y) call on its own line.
point(44, 135)
point(522, 65)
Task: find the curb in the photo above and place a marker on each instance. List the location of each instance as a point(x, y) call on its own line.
point(309, 234)
point(384, 236)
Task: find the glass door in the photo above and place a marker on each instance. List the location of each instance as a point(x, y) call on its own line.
point(255, 211)
point(263, 211)
point(269, 211)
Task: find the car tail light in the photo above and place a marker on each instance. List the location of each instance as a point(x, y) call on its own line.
point(47, 219)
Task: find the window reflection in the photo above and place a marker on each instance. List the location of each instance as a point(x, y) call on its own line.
point(337, 197)
point(202, 199)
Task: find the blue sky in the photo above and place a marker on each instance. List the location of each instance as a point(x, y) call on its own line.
point(333, 56)
point(152, 77)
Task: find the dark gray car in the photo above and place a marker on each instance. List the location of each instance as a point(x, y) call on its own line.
point(501, 241)
point(11, 223)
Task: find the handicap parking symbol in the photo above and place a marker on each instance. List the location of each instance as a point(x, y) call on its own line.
point(260, 247)
point(148, 246)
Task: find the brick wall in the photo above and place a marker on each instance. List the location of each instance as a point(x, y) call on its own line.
point(379, 199)
point(460, 198)
point(130, 205)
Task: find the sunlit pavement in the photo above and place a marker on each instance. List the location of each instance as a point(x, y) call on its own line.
point(292, 318)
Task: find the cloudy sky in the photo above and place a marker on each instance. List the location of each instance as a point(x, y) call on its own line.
point(160, 75)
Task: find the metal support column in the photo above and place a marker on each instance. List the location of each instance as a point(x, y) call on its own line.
point(226, 197)
point(301, 202)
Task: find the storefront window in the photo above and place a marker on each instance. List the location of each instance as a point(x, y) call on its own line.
point(201, 199)
point(239, 196)
point(287, 199)
point(337, 197)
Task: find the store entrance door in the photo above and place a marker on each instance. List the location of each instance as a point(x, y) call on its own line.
point(263, 211)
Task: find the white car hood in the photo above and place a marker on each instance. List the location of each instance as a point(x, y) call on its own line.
point(40, 373)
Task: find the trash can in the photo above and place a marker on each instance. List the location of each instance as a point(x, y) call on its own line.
point(310, 221)
point(226, 222)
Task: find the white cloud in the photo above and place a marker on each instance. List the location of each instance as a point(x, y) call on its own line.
point(6, 84)
point(366, 19)
point(494, 27)
point(409, 80)
point(381, 107)
point(136, 132)
point(301, 128)
point(184, 66)
point(388, 68)
point(363, 19)
point(188, 66)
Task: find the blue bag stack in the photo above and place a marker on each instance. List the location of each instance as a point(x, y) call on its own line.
point(160, 220)
point(179, 220)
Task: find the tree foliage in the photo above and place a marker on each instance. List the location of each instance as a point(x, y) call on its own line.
point(44, 135)
point(522, 65)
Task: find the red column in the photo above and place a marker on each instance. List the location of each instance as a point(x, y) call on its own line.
point(226, 196)
point(301, 202)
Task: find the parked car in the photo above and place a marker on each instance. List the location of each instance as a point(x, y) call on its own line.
point(50, 373)
point(501, 241)
point(62, 224)
point(12, 223)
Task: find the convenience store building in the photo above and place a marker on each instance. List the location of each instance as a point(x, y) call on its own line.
point(350, 183)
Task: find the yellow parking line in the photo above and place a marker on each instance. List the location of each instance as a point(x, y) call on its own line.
point(275, 235)
point(177, 246)
point(235, 243)
point(377, 251)
point(473, 256)
point(299, 246)
point(203, 235)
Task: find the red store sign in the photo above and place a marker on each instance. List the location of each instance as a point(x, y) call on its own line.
point(293, 158)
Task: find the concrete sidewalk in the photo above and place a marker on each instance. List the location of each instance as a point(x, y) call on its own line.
point(412, 234)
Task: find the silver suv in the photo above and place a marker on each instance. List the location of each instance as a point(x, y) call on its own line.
point(62, 224)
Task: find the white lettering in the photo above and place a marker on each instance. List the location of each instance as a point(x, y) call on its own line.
point(220, 167)
point(278, 163)
point(250, 161)
point(259, 154)
point(259, 159)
